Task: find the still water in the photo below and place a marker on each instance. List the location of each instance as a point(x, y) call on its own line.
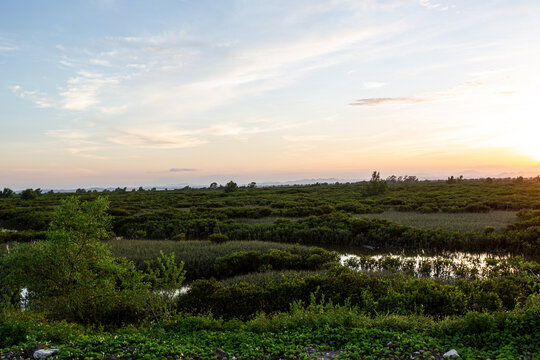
point(442, 264)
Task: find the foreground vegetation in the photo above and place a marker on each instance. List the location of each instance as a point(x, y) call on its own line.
point(200, 295)
point(318, 329)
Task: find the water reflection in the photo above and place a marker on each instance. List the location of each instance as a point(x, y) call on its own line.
point(451, 265)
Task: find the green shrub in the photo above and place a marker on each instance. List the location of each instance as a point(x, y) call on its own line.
point(179, 237)
point(218, 238)
point(139, 234)
point(393, 293)
point(13, 330)
point(72, 275)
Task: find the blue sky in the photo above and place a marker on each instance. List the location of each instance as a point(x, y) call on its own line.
point(128, 93)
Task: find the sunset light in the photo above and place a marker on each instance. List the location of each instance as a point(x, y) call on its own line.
point(114, 93)
point(269, 179)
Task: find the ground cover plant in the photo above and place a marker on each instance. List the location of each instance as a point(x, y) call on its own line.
point(319, 329)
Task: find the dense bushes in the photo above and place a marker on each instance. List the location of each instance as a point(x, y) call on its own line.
point(398, 294)
point(295, 258)
point(72, 275)
point(21, 236)
point(343, 229)
point(203, 259)
point(37, 218)
point(326, 208)
point(218, 238)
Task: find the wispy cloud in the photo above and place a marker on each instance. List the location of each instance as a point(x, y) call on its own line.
point(436, 5)
point(390, 100)
point(452, 92)
point(100, 62)
point(155, 140)
point(84, 144)
point(373, 84)
point(67, 134)
point(37, 97)
point(84, 89)
point(305, 138)
point(183, 170)
point(243, 72)
point(165, 137)
point(141, 67)
point(235, 129)
point(7, 45)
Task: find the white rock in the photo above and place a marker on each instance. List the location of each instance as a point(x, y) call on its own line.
point(452, 353)
point(45, 353)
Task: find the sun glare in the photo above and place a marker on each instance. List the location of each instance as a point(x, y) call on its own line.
point(532, 149)
point(528, 137)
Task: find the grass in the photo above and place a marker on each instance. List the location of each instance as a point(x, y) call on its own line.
point(456, 222)
point(198, 255)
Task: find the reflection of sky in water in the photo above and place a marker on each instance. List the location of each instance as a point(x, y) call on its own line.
point(24, 295)
point(443, 265)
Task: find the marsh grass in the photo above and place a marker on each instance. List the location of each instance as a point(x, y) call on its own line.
point(451, 221)
point(198, 256)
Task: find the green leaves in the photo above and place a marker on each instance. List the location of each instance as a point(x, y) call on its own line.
point(72, 275)
point(167, 278)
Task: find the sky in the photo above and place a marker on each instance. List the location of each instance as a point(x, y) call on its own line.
point(131, 93)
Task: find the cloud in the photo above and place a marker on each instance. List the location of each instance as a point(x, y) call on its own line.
point(39, 98)
point(170, 138)
point(388, 100)
point(431, 4)
point(237, 71)
point(66, 134)
point(7, 45)
point(170, 72)
point(94, 157)
point(452, 92)
point(373, 84)
point(330, 7)
point(155, 141)
point(182, 170)
point(305, 138)
point(234, 129)
point(100, 62)
point(83, 90)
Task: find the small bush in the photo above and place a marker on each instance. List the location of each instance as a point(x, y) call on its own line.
point(218, 238)
point(139, 234)
point(12, 331)
point(179, 237)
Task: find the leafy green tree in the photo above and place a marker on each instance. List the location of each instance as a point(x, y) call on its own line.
point(231, 187)
point(6, 193)
point(376, 185)
point(72, 274)
point(30, 194)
